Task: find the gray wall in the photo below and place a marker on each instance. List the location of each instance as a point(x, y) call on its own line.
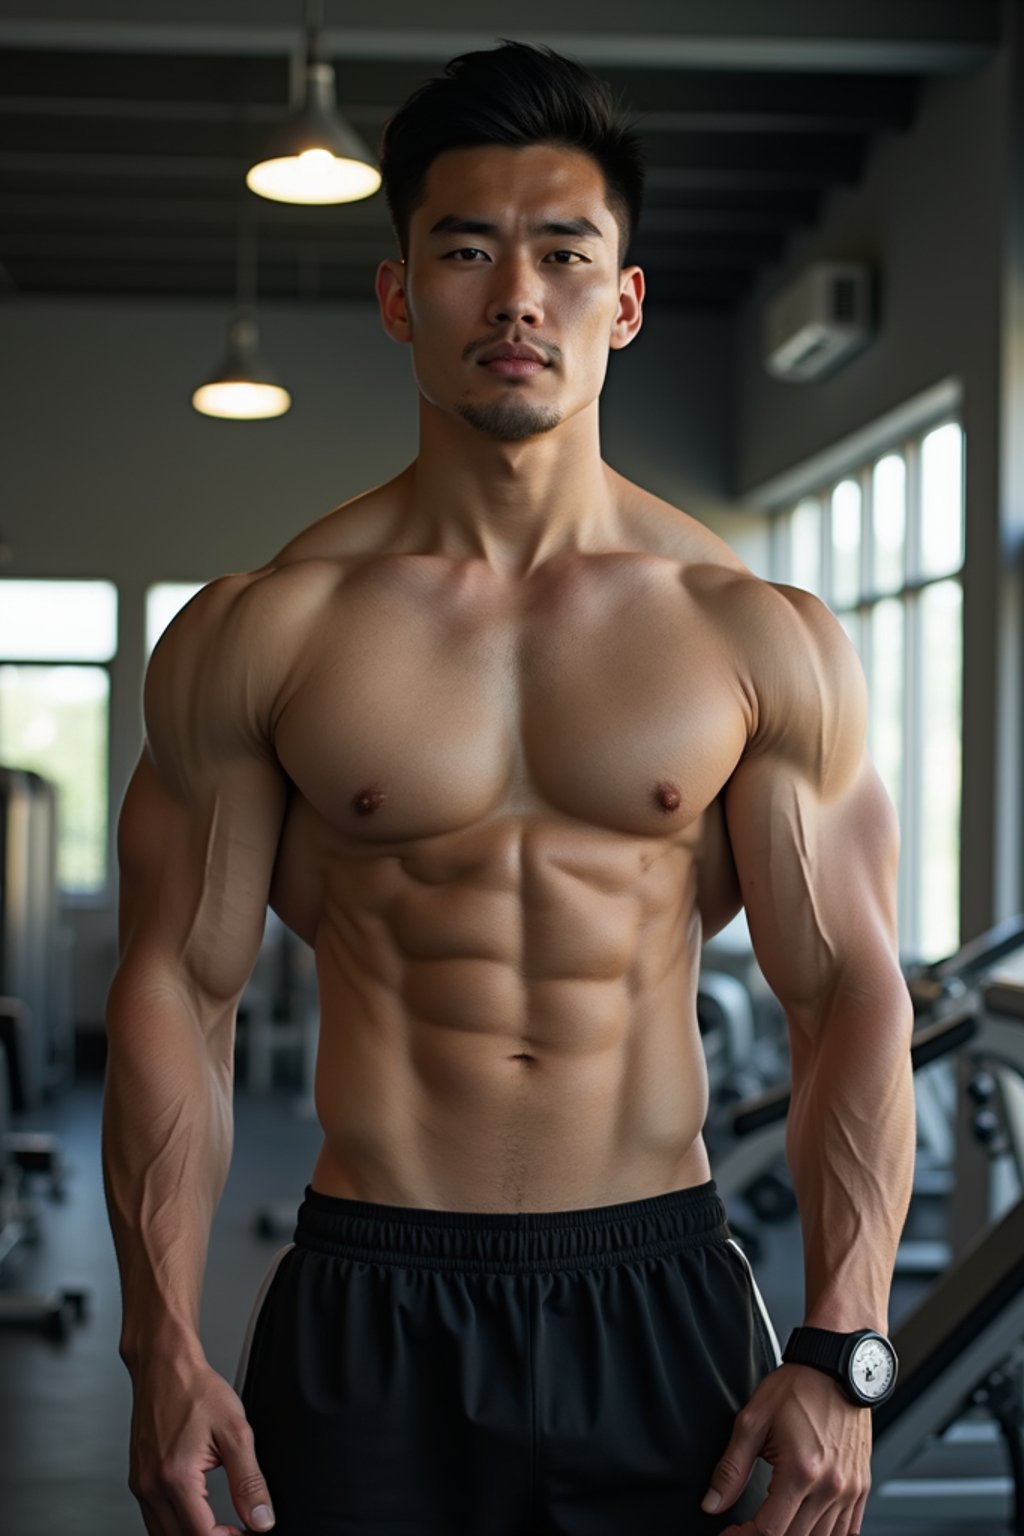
point(935, 213)
point(106, 471)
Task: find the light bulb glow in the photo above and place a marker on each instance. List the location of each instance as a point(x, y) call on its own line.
point(238, 401)
point(314, 162)
point(314, 176)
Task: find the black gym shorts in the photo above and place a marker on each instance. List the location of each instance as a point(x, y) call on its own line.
point(451, 1373)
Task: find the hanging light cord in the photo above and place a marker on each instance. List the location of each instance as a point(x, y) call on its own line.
point(245, 261)
point(315, 53)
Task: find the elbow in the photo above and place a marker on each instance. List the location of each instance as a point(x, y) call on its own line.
point(863, 999)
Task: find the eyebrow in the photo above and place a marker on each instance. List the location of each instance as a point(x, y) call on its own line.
point(452, 224)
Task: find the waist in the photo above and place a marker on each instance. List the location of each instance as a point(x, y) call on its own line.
point(482, 1241)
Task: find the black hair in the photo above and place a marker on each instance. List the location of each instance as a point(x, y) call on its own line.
point(517, 94)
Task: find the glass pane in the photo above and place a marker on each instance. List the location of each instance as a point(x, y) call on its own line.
point(54, 720)
point(163, 601)
point(65, 620)
point(885, 703)
point(942, 501)
point(805, 546)
point(889, 522)
point(940, 767)
point(851, 622)
point(846, 508)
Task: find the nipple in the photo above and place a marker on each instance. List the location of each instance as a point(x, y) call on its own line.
point(667, 796)
point(368, 801)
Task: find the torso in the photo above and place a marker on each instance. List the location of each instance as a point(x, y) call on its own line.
point(505, 844)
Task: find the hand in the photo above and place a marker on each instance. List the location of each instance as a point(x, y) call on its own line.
point(819, 1447)
point(185, 1420)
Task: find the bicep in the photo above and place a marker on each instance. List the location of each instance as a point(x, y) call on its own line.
point(195, 875)
point(201, 820)
point(817, 876)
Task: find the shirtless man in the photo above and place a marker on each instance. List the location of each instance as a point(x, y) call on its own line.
point(504, 740)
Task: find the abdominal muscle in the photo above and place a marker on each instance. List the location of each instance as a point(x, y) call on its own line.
point(477, 1055)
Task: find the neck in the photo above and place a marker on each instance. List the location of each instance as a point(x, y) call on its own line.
point(512, 504)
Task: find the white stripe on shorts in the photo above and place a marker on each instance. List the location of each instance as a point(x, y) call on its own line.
point(759, 1299)
point(243, 1363)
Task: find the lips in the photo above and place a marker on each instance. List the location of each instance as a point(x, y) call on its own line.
point(512, 350)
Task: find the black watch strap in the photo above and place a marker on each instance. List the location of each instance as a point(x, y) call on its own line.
point(819, 1347)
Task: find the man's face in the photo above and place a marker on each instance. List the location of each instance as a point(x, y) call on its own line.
point(482, 269)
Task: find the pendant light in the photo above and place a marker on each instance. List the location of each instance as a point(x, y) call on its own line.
point(243, 388)
point(315, 157)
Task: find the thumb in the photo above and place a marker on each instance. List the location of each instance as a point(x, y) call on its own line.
point(249, 1493)
point(732, 1473)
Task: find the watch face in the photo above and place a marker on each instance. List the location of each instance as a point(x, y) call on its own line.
point(872, 1368)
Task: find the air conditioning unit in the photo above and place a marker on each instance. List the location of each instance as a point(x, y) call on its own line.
point(817, 320)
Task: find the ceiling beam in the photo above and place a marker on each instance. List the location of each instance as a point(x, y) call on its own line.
point(57, 210)
point(870, 115)
point(876, 36)
point(38, 80)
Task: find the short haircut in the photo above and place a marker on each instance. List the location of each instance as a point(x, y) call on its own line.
point(517, 94)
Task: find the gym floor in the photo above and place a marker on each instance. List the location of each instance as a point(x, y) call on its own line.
point(65, 1408)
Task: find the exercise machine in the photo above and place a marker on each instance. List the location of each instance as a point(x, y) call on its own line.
point(36, 1033)
point(961, 1364)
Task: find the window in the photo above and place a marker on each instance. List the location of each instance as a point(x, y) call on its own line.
point(57, 639)
point(163, 601)
point(884, 547)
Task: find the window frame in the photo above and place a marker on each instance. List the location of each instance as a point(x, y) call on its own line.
point(908, 444)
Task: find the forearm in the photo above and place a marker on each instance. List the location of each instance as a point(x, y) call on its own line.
point(851, 1144)
point(166, 1150)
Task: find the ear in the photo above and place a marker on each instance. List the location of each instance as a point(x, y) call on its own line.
point(390, 290)
point(630, 314)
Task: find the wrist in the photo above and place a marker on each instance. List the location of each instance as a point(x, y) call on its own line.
point(846, 1315)
point(166, 1340)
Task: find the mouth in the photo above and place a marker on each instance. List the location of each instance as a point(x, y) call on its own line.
point(514, 367)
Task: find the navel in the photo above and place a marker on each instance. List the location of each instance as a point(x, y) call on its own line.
point(667, 795)
point(368, 800)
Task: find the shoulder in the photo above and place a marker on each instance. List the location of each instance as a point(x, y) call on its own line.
point(801, 672)
point(217, 672)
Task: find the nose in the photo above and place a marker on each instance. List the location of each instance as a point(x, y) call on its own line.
point(515, 293)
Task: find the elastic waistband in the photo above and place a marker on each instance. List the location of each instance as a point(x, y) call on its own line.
point(519, 1243)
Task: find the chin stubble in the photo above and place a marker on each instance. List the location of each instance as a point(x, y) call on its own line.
point(510, 419)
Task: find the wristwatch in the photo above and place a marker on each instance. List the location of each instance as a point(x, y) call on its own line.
point(863, 1363)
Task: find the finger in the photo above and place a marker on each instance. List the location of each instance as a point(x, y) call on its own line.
point(855, 1519)
point(732, 1473)
point(171, 1513)
point(249, 1492)
point(846, 1517)
point(794, 1505)
point(834, 1522)
point(860, 1514)
point(152, 1519)
point(191, 1512)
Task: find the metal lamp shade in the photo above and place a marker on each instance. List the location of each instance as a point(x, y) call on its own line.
point(243, 388)
point(316, 157)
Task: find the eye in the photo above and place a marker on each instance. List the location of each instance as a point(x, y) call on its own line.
point(567, 253)
point(462, 251)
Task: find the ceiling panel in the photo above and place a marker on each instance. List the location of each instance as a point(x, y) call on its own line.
point(124, 140)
